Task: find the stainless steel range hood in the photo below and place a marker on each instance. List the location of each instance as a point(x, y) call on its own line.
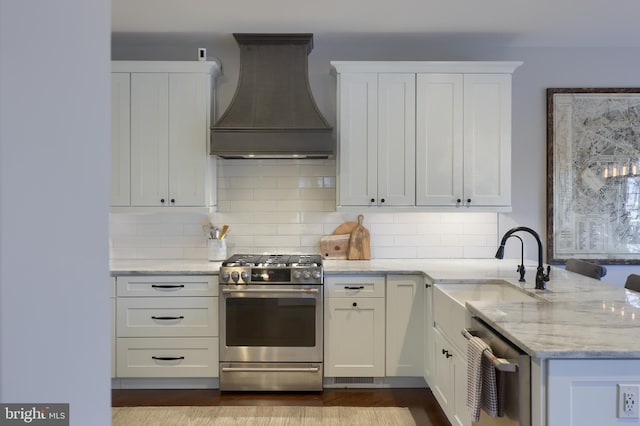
point(273, 113)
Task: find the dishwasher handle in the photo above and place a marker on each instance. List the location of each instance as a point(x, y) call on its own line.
point(500, 364)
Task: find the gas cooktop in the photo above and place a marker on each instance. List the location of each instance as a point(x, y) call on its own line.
point(272, 269)
point(274, 260)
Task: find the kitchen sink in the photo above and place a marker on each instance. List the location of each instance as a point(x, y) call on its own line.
point(493, 291)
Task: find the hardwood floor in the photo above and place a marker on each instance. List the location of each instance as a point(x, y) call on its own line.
point(421, 402)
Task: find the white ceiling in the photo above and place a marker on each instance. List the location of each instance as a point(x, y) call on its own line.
point(523, 22)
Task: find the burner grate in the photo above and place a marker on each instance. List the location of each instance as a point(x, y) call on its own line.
point(274, 260)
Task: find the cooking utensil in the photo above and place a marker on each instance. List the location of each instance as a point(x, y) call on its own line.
point(208, 229)
point(223, 232)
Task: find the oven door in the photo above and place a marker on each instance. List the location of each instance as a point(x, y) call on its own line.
point(271, 323)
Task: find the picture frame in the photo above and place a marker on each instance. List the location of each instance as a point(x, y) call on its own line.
point(593, 175)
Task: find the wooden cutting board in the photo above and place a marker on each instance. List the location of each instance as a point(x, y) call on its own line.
point(335, 246)
point(345, 228)
point(359, 243)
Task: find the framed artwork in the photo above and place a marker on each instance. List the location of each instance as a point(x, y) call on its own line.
point(593, 175)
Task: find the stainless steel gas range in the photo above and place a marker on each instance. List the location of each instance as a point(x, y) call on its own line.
point(271, 323)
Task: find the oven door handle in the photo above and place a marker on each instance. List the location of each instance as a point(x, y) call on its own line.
point(270, 369)
point(271, 290)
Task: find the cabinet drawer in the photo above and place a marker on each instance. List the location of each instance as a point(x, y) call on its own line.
point(354, 286)
point(166, 317)
point(167, 357)
point(164, 285)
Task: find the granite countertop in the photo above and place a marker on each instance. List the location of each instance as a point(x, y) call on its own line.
point(576, 317)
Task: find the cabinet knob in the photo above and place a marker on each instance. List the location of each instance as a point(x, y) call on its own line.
point(382, 200)
point(373, 200)
point(162, 200)
point(468, 200)
point(355, 304)
point(458, 201)
point(173, 200)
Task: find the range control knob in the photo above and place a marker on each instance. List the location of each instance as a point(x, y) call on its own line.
point(245, 276)
point(225, 276)
point(306, 275)
point(317, 275)
point(297, 275)
point(235, 276)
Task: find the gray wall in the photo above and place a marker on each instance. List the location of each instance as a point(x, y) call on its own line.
point(543, 67)
point(54, 204)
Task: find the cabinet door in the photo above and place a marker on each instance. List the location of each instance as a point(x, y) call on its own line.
point(461, 415)
point(120, 139)
point(187, 138)
point(442, 386)
point(149, 139)
point(487, 139)
point(354, 337)
point(358, 136)
point(405, 324)
point(439, 110)
point(396, 139)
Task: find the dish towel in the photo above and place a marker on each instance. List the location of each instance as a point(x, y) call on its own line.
point(481, 380)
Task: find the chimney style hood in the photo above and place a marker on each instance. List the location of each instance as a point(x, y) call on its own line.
point(273, 113)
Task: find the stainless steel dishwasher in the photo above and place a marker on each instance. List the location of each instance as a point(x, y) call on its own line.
point(513, 372)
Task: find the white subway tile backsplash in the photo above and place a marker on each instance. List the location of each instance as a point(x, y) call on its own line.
point(288, 206)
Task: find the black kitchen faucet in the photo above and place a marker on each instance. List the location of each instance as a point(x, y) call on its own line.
point(541, 277)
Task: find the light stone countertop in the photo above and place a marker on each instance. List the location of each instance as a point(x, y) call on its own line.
point(576, 317)
point(163, 267)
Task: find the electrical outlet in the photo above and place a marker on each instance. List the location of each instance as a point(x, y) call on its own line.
point(628, 401)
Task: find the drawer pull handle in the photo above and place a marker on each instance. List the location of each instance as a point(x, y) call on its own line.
point(167, 358)
point(167, 285)
point(167, 318)
point(346, 287)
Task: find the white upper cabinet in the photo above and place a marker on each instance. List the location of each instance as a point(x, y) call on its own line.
point(463, 152)
point(487, 140)
point(396, 139)
point(424, 135)
point(168, 105)
point(377, 139)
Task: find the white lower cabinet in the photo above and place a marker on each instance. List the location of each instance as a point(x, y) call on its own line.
point(449, 379)
point(167, 326)
point(168, 357)
point(405, 325)
point(354, 326)
point(584, 392)
point(449, 383)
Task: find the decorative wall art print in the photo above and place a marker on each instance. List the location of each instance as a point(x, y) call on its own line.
point(593, 175)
